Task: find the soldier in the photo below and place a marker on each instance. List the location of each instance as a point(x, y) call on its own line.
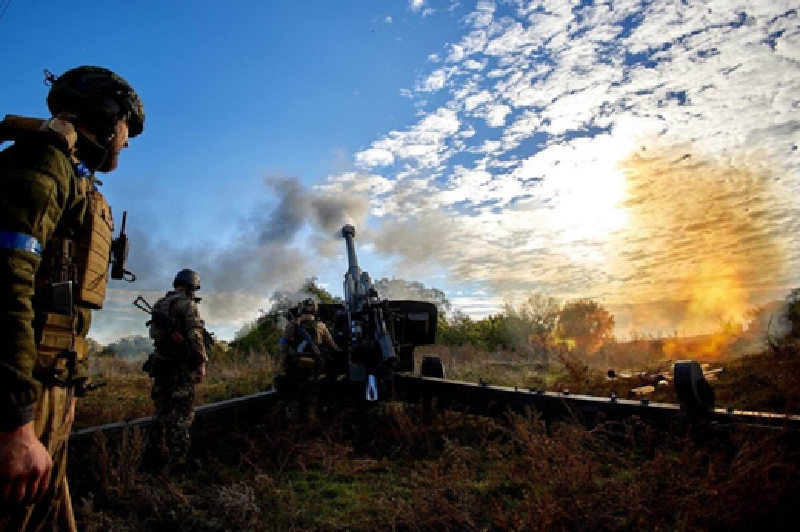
point(179, 362)
point(55, 240)
point(293, 343)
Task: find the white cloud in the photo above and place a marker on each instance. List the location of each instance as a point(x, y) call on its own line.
point(424, 144)
point(496, 114)
point(387, 20)
point(644, 152)
point(537, 153)
point(374, 157)
point(434, 81)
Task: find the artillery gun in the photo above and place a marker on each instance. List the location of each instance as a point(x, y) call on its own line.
point(377, 337)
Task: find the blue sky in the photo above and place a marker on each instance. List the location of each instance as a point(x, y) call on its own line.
point(492, 150)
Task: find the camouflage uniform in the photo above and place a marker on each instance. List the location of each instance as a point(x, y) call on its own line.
point(174, 376)
point(48, 205)
point(298, 359)
point(320, 333)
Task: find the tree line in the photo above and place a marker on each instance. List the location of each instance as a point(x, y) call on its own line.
point(539, 327)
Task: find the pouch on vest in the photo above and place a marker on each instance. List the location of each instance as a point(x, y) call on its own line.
point(93, 252)
point(57, 338)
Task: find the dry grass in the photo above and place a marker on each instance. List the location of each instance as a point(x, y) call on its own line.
point(398, 470)
point(402, 469)
point(127, 394)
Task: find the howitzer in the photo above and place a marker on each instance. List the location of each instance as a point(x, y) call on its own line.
point(377, 337)
point(369, 334)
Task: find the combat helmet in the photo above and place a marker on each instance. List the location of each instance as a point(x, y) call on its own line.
point(98, 97)
point(308, 306)
point(188, 278)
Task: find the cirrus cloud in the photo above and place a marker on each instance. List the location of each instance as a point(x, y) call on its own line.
point(605, 150)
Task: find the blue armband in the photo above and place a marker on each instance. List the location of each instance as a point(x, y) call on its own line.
point(21, 241)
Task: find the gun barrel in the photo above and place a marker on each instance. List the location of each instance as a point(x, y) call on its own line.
point(349, 233)
point(124, 219)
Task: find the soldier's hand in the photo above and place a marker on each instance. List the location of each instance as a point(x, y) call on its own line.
point(200, 373)
point(25, 466)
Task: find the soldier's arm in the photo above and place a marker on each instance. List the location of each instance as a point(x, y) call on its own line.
point(194, 334)
point(327, 339)
point(288, 330)
point(38, 185)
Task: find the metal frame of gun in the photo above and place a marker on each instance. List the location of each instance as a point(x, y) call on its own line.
point(361, 297)
point(363, 308)
point(119, 254)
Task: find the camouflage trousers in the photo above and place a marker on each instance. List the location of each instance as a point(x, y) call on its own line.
point(170, 435)
point(53, 418)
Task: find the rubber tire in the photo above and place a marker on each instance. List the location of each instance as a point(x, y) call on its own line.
point(693, 390)
point(432, 366)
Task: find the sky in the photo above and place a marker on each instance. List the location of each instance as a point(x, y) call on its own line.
point(640, 153)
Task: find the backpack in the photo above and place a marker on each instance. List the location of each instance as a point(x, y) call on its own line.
point(299, 342)
point(162, 324)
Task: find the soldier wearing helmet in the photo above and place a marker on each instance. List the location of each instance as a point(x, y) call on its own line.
point(55, 240)
point(317, 330)
point(179, 363)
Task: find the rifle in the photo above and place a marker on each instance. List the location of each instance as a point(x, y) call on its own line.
point(160, 319)
point(304, 333)
point(164, 322)
point(119, 254)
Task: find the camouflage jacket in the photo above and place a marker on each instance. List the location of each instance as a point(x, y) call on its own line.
point(40, 193)
point(184, 317)
point(321, 338)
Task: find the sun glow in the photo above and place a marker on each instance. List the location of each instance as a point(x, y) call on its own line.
point(587, 195)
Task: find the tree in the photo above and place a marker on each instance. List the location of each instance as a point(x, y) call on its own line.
point(532, 323)
point(453, 331)
point(265, 332)
point(587, 323)
point(135, 347)
point(283, 300)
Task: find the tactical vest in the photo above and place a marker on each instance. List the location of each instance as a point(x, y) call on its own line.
point(299, 342)
point(74, 267)
point(166, 347)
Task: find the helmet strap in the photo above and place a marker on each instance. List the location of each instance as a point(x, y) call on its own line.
point(90, 152)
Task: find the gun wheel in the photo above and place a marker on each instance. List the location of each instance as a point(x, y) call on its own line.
point(432, 366)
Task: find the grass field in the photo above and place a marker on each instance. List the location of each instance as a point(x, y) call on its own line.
point(398, 469)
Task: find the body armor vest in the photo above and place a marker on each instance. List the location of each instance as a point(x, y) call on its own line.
point(299, 343)
point(93, 251)
point(166, 347)
point(74, 268)
point(77, 274)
